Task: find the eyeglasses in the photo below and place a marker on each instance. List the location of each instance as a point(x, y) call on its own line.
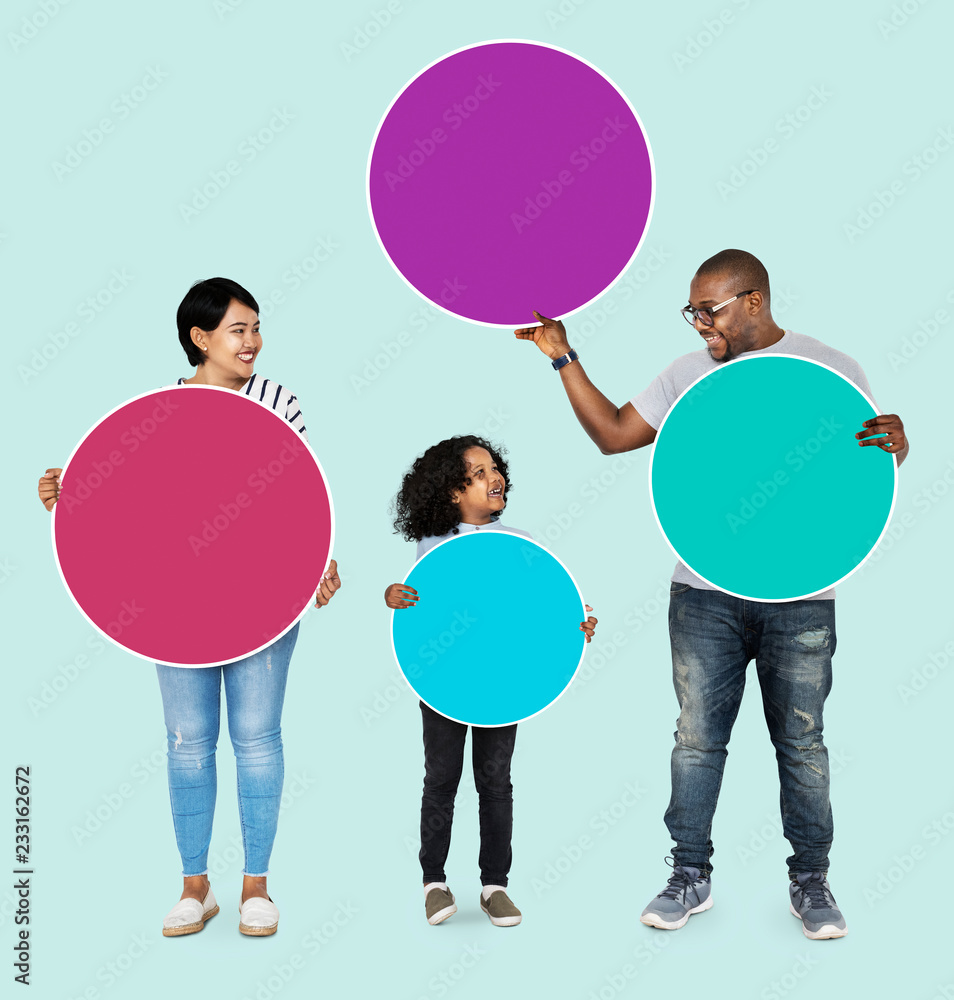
point(705, 315)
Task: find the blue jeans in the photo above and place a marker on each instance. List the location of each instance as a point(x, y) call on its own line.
point(254, 692)
point(713, 637)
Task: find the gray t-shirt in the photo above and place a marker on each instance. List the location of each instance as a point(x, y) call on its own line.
point(655, 401)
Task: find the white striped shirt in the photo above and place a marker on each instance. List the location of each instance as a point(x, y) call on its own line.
point(276, 397)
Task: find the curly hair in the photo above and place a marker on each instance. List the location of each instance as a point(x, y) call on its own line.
point(423, 505)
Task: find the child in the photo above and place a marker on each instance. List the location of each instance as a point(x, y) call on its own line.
point(458, 486)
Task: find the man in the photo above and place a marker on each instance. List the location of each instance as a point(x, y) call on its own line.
point(714, 634)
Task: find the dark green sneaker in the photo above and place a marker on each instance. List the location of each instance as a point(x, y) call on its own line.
point(501, 911)
point(439, 905)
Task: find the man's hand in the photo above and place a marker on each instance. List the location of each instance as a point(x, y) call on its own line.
point(550, 337)
point(49, 487)
point(894, 441)
point(589, 626)
point(329, 584)
point(399, 595)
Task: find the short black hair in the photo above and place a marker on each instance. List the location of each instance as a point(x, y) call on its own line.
point(742, 267)
point(204, 305)
point(423, 505)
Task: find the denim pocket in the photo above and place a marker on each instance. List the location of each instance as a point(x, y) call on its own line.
point(678, 588)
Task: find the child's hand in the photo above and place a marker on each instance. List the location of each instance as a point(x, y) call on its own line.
point(330, 582)
point(49, 487)
point(399, 595)
point(589, 626)
point(550, 337)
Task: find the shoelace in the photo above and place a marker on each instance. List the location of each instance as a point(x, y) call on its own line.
point(818, 894)
point(679, 882)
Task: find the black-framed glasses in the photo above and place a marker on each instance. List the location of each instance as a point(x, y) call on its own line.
point(705, 315)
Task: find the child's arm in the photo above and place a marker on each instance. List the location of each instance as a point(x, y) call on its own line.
point(399, 595)
point(589, 626)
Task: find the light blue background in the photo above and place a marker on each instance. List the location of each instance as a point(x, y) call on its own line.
point(381, 377)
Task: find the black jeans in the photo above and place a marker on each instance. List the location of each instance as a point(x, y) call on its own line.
point(443, 764)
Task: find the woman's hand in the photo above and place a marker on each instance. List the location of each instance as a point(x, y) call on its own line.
point(329, 584)
point(589, 626)
point(49, 487)
point(399, 595)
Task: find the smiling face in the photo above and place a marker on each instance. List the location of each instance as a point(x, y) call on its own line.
point(735, 327)
point(484, 495)
point(231, 348)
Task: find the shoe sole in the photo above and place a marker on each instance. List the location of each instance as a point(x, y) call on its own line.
point(442, 915)
point(501, 921)
point(257, 931)
point(823, 933)
point(189, 928)
point(655, 920)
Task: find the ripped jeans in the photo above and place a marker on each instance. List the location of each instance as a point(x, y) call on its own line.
point(713, 637)
point(254, 693)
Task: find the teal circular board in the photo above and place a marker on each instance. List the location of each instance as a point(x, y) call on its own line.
point(759, 484)
point(495, 636)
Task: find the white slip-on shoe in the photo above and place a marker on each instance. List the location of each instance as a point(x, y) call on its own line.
point(189, 916)
point(258, 917)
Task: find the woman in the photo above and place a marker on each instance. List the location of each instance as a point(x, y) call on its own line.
point(219, 331)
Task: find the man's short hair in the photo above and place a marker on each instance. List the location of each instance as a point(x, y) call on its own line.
point(741, 268)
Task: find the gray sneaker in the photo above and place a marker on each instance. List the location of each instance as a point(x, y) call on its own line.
point(439, 905)
point(812, 902)
point(689, 891)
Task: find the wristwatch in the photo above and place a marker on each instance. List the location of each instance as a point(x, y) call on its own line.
point(565, 360)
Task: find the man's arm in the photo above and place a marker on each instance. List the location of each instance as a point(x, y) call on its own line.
point(613, 429)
